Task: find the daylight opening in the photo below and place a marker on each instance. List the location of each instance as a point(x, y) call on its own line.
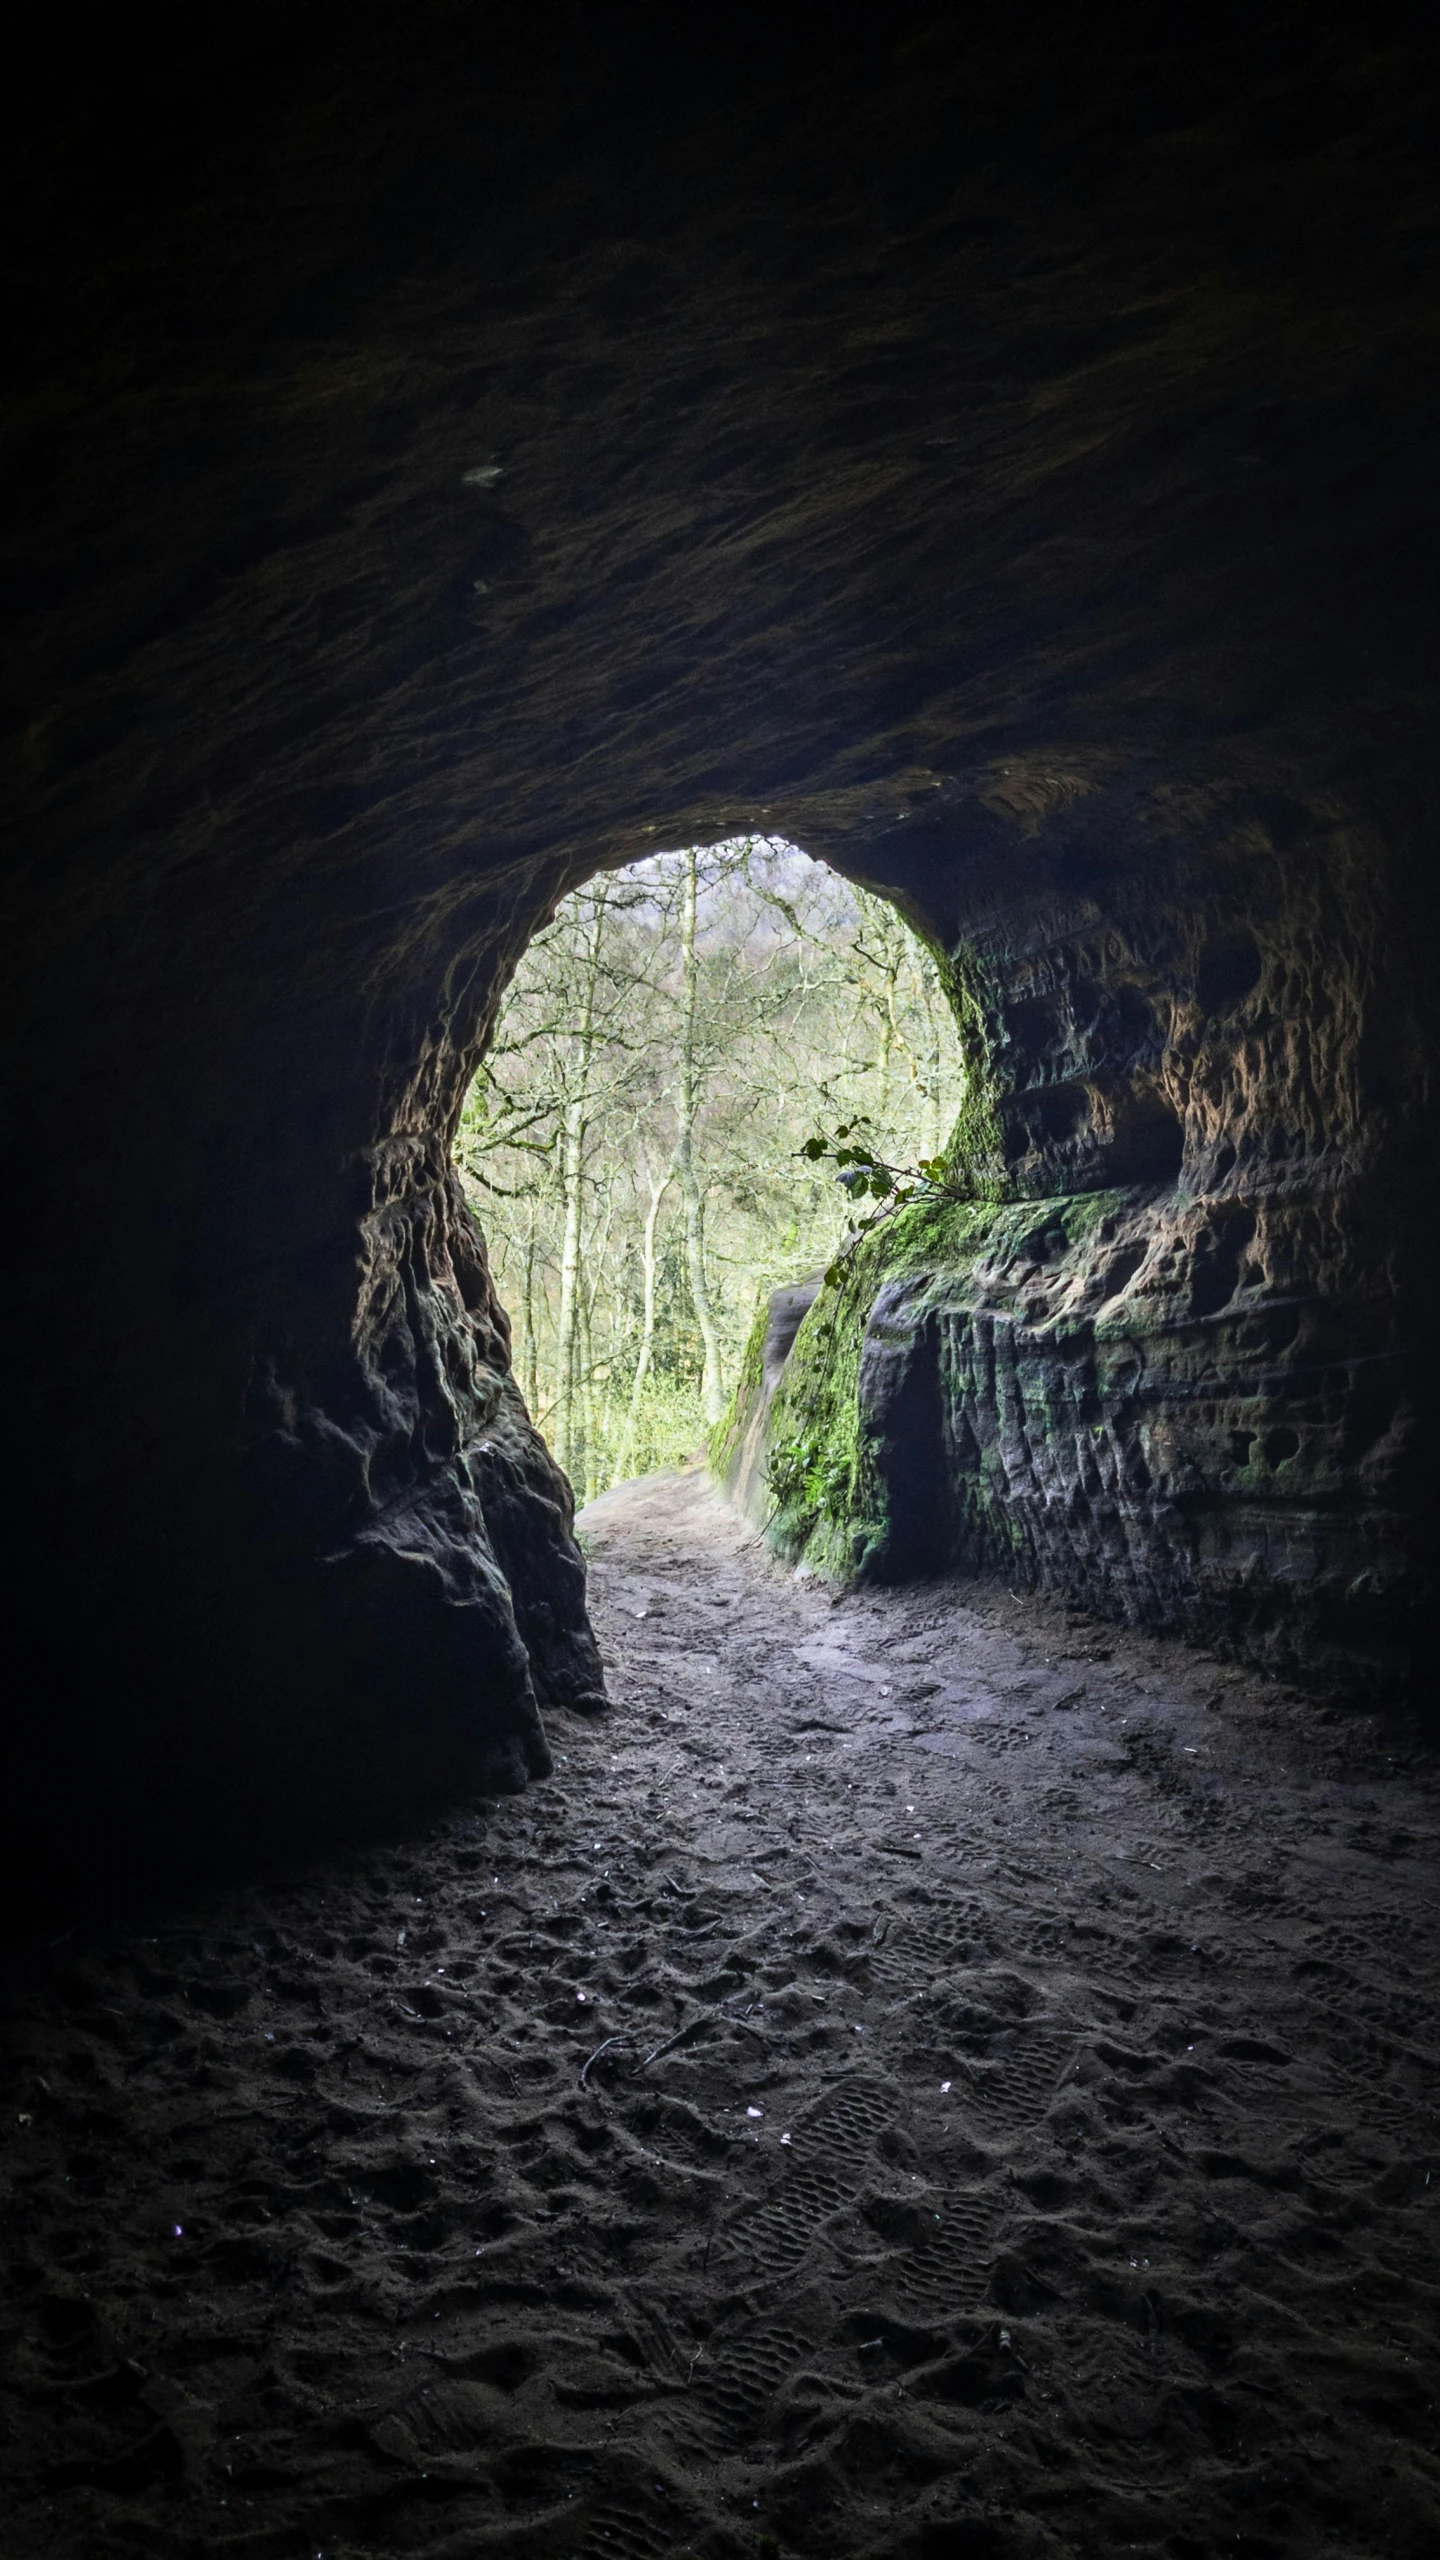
point(635, 1141)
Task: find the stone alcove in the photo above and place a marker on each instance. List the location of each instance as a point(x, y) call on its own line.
point(1006, 472)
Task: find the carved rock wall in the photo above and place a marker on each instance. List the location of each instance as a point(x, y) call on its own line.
point(1166, 1363)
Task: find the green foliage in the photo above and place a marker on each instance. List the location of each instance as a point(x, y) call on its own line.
point(864, 1174)
point(670, 1426)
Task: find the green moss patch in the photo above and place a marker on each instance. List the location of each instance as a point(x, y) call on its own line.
point(828, 1500)
point(828, 1505)
point(727, 1436)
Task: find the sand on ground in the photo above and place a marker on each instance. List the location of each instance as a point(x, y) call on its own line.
point(930, 2076)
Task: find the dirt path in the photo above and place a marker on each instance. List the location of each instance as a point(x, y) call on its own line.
point(927, 2079)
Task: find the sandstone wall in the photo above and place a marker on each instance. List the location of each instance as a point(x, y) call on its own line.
point(1163, 1363)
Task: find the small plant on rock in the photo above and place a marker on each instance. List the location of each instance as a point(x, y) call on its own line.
point(866, 1175)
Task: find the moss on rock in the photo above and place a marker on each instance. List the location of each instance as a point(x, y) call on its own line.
point(1114, 1393)
point(827, 1498)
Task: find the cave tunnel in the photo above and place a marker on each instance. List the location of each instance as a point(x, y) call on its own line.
point(450, 456)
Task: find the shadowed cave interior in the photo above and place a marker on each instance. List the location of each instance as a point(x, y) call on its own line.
point(450, 459)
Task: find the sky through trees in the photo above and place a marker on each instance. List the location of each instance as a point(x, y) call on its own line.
point(632, 1142)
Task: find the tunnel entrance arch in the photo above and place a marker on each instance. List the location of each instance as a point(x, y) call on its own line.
point(635, 1141)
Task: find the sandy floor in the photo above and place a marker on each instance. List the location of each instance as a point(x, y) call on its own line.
point(928, 2078)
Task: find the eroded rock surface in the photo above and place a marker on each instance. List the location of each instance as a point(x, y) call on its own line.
point(1166, 1364)
point(448, 462)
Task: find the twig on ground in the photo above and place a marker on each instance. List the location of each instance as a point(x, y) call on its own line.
point(671, 2042)
point(707, 2018)
point(603, 2048)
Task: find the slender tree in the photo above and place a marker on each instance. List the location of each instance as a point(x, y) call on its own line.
point(712, 1384)
point(574, 1131)
point(529, 1361)
point(659, 1185)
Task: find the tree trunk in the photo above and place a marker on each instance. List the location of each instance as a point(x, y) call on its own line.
point(529, 1363)
point(624, 1455)
point(711, 1389)
point(572, 1171)
point(590, 1438)
point(572, 1179)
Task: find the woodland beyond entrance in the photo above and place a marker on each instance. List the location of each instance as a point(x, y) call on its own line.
point(634, 1141)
